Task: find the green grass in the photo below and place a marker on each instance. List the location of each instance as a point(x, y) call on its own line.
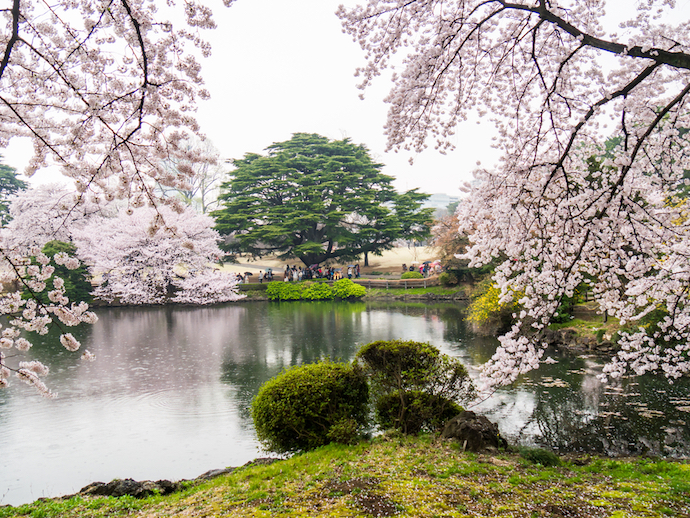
point(257, 291)
point(435, 290)
point(404, 476)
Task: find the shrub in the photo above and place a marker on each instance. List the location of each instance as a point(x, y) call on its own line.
point(317, 291)
point(564, 311)
point(279, 290)
point(273, 290)
point(539, 456)
point(488, 313)
point(427, 380)
point(311, 405)
point(448, 279)
point(411, 275)
point(414, 411)
point(346, 289)
point(343, 288)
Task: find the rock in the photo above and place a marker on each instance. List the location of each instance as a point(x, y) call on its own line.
point(475, 432)
point(261, 461)
point(213, 473)
point(161, 487)
point(130, 487)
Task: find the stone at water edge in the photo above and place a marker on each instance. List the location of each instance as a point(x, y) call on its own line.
point(474, 432)
point(130, 487)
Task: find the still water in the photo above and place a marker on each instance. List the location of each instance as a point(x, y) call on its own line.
point(168, 395)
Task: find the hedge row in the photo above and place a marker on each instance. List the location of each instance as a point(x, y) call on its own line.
point(341, 289)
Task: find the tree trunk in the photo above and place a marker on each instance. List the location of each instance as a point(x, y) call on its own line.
point(366, 258)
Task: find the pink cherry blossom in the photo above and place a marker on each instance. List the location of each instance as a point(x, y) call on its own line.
point(106, 91)
point(591, 186)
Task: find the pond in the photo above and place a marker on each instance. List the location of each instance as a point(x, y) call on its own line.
point(169, 392)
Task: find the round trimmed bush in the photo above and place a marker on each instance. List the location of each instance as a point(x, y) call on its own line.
point(279, 290)
point(411, 275)
point(311, 405)
point(414, 386)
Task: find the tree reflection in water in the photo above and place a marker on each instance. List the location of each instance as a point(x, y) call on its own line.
point(561, 406)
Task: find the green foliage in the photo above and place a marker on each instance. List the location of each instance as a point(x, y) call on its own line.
point(414, 411)
point(448, 279)
point(308, 406)
point(488, 312)
point(273, 290)
point(413, 384)
point(308, 290)
point(299, 200)
point(9, 185)
point(317, 291)
point(539, 456)
point(346, 289)
point(279, 290)
point(411, 275)
point(564, 311)
point(77, 282)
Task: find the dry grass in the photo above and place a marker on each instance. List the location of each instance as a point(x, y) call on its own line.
point(412, 478)
point(391, 261)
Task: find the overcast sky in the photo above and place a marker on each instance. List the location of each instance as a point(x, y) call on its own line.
point(284, 66)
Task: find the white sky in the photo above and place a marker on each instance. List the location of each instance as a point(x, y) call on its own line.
point(284, 66)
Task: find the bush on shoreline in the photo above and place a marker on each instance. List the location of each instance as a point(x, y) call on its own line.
point(314, 290)
point(415, 387)
point(311, 405)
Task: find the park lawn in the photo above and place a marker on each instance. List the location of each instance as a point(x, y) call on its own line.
point(398, 292)
point(420, 477)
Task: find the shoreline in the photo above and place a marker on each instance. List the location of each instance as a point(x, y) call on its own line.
point(403, 476)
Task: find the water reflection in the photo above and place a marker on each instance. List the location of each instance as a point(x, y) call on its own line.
point(168, 396)
point(567, 408)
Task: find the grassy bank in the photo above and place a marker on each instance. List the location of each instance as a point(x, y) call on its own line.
point(258, 292)
point(410, 477)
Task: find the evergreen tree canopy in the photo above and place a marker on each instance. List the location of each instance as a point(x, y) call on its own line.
point(9, 184)
point(316, 199)
point(75, 281)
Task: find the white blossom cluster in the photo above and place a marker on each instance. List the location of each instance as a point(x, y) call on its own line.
point(30, 315)
point(593, 129)
point(106, 90)
point(143, 256)
point(155, 256)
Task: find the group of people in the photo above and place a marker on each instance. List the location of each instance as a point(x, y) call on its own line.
point(426, 268)
point(297, 273)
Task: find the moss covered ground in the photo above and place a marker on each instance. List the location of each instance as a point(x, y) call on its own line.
point(420, 477)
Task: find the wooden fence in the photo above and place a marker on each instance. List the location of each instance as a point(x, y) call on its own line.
point(387, 284)
point(397, 283)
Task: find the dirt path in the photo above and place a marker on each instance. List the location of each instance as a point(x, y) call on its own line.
point(391, 261)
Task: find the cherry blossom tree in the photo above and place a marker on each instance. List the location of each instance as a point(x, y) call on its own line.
point(141, 265)
point(559, 209)
point(106, 90)
point(207, 173)
point(45, 213)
